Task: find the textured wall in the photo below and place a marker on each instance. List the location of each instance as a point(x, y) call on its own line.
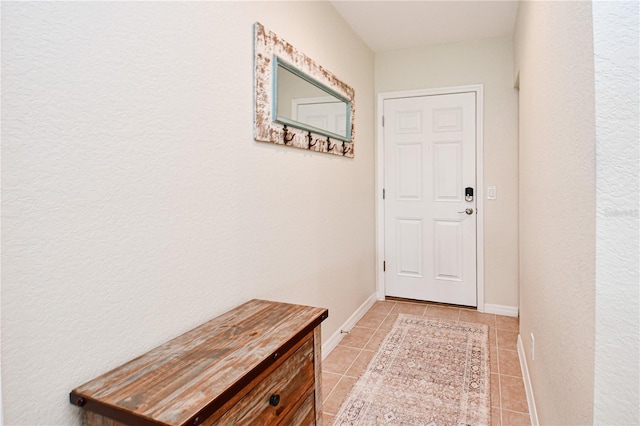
point(489, 62)
point(554, 58)
point(136, 204)
point(617, 356)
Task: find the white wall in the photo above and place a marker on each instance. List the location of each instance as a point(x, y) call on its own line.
point(554, 59)
point(489, 62)
point(136, 204)
point(617, 348)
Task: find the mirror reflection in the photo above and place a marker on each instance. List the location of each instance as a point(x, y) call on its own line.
point(304, 103)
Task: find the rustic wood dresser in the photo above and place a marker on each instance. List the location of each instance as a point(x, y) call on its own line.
point(258, 364)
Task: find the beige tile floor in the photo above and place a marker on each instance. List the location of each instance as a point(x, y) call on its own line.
point(342, 367)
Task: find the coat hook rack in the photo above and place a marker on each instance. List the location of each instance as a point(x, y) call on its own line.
point(287, 138)
point(310, 138)
point(329, 146)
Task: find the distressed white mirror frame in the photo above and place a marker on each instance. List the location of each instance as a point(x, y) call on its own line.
point(268, 46)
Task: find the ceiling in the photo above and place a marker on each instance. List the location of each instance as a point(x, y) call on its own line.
point(390, 25)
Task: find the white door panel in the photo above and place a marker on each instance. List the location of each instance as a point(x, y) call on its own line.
point(409, 166)
point(410, 247)
point(429, 151)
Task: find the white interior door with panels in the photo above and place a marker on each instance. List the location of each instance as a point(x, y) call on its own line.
point(429, 217)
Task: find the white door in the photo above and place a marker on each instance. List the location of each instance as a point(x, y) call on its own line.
point(430, 237)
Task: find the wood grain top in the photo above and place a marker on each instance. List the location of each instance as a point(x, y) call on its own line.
point(186, 379)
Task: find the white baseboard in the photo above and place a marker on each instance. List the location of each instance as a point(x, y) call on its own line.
point(527, 384)
point(333, 341)
point(509, 311)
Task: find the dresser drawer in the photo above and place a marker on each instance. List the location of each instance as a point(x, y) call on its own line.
point(304, 414)
point(291, 382)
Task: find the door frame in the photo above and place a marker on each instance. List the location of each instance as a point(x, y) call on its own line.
point(478, 89)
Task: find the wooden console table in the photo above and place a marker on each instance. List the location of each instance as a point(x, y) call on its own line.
point(256, 364)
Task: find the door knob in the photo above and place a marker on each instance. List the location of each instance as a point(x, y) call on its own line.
point(467, 211)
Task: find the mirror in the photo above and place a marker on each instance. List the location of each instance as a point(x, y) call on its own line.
point(298, 103)
point(304, 103)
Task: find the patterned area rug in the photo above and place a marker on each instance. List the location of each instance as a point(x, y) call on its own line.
point(426, 372)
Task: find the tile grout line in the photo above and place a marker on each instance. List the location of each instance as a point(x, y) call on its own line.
point(342, 376)
point(367, 342)
point(514, 411)
point(509, 375)
point(324, 399)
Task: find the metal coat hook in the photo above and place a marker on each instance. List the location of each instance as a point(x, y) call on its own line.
point(286, 132)
point(310, 139)
point(345, 150)
point(329, 146)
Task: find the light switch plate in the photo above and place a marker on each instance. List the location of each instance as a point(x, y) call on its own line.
point(491, 193)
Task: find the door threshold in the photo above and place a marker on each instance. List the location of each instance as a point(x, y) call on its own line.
point(426, 302)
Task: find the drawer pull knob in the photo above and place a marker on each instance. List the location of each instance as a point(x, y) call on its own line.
point(274, 400)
